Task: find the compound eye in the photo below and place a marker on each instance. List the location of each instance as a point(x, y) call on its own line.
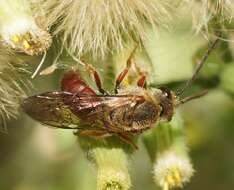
point(166, 92)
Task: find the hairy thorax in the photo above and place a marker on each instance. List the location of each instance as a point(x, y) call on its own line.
point(138, 116)
point(135, 118)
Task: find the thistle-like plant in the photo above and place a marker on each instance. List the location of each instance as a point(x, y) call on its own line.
point(102, 27)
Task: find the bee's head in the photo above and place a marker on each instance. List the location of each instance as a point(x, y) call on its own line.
point(166, 99)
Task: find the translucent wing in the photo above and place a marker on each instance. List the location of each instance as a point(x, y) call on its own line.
point(91, 108)
point(49, 108)
point(67, 110)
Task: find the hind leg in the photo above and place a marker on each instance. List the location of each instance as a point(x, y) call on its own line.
point(126, 138)
point(121, 134)
point(94, 133)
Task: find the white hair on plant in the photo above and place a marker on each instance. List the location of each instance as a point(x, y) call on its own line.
point(172, 170)
point(20, 30)
point(12, 86)
point(208, 11)
point(100, 27)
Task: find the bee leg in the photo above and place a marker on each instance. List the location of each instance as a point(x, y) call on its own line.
point(128, 140)
point(142, 79)
point(123, 74)
point(95, 133)
point(139, 131)
point(125, 137)
point(96, 77)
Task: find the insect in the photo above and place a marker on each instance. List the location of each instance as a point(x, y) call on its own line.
point(124, 114)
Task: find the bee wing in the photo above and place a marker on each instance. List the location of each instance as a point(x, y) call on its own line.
point(91, 108)
point(49, 109)
point(67, 110)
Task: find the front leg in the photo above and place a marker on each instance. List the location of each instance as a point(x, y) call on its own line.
point(124, 73)
point(130, 62)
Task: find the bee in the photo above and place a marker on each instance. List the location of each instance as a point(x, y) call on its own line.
point(124, 113)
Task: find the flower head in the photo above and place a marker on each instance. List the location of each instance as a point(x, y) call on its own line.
point(172, 170)
point(112, 168)
point(99, 27)
point(19, 29)
point(112, 179)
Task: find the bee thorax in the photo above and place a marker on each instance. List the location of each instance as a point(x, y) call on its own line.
point(138, 117)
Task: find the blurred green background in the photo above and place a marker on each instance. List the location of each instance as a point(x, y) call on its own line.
point(34, 157)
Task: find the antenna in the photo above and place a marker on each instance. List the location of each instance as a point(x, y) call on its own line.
point(180, 91)
point(192, 97)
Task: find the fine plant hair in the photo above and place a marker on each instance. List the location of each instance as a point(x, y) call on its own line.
point(13, 86)
point(101, 27)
